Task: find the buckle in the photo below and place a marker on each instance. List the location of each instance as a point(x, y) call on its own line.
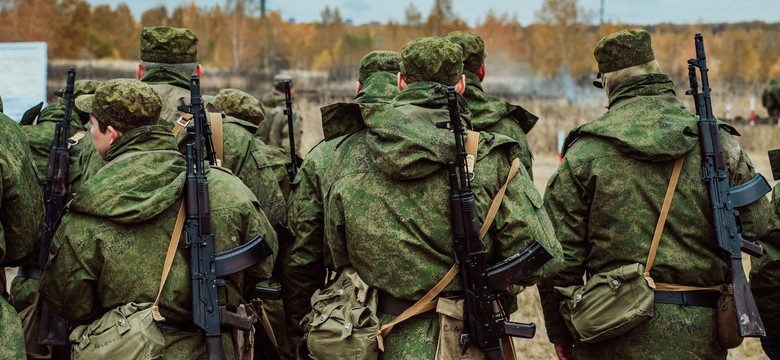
point(183, 121)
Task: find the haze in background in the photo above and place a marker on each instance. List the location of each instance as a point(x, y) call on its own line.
point(637, 12)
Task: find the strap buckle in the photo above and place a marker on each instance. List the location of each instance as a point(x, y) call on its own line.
point(184, 121)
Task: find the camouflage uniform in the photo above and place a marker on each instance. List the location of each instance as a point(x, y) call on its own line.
point(273, 131)
point(242, 155)
point(21, 221)
point(307, 265)
point(489, 113)
point(242, 106)
point(40, 137)
point(605, 200)
point(770, 98)
point(765, 271)
point(396, 171)
point(110, 247)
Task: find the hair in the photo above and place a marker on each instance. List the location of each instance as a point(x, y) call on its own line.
point(189, 68)
point(103, 127)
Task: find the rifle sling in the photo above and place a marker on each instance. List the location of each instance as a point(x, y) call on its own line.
point(172, 246)
point(216, 129)
point(659, 228)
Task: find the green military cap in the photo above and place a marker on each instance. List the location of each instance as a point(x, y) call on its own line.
point(124, 104)
point(379, 60)
point(474, 52)
point(239, 104)
point(167, 45)
point(774, 162)
point(623, 49)
point(81, 87)
point(432, 59)
point(279, 80)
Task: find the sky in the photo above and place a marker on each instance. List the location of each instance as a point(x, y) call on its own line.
point(635, 12)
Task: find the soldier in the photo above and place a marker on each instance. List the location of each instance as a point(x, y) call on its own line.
point(605, 199)
point(765, 271)
point(40, 137)
point(246, 111)
point(489, 113)
point(770, 99)
point(21, 222)
point(109, 249)
point(273, 131)
point(396, 171)
point(306, 269)
point(168, 57)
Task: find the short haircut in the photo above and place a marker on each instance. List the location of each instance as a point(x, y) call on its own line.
point(189, 68)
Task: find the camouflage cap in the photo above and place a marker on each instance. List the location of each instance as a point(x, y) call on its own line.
point(81, 87)
point(432, 59)
point(474, 52)
point(774, 162)
point(124, 104)
point(279, 80)
point(239, 104)
point(167, 45)
point(623, 49)
point(379, 60)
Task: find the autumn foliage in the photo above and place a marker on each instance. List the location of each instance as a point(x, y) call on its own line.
point(237, 35)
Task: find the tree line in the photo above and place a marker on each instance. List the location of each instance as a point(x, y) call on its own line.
point(240, 35)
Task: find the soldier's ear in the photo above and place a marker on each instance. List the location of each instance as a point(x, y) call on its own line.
point(401, 81)
point(198, 70)
point(481, 72)
point(114, 133)
point(358, 86)
point(139, 73)
point(460, 86)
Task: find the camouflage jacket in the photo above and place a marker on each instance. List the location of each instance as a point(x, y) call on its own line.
point(41, 135)
point(21, 222)
point(495, 115)
point(765, 272)
point(395, 171)
point(770, 98)
point(308, 261)
point(605, 199)
point(110, 247)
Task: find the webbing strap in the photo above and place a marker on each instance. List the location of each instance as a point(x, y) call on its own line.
point(491, 215)
point(182, 123)
point(217, 137)
point(471, 145)
point(172, 246)
point(659, 226)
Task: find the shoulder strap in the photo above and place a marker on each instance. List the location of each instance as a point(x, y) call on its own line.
point(471, 145)
point(659, 227)
point(172, 246)
point(74, 140)
point(182, 123)
point(491, 215)
point(217, 137)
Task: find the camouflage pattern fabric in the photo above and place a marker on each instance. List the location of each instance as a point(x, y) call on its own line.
point(765, 271)
point(80, 87)
point(21, 221)
point(243, 155)
point(110, 247)
point(39, 137)
point(495, 115)
point(308, 262)
point(602, 225)
point(122, 103)
point(432, 59)
point(378, 61)
point(473, 46)
point(279, 80)
point(770, 98)
point(163, 44)
point(240, 105)
point(396, 171)
point(271, 100)
point(274, 129)
point(623, 49)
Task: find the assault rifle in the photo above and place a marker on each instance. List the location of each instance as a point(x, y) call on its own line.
point(484, 320)
point(292, 170)
point(53, 328)
point(726, 199)
point(206, 267)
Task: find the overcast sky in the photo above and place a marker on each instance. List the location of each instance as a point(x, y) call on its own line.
point(638, 12)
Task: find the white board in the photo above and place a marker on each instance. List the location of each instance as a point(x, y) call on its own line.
point(22, 76)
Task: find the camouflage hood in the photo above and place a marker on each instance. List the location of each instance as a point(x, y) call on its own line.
point(377, 91)
point(645, 120)
point(405, 142)
point(486, 110)
point(137, 188)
